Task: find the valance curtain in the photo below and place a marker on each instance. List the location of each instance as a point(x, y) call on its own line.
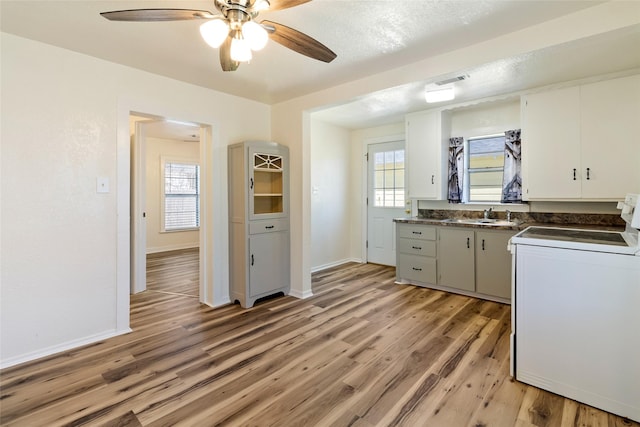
point(456, 169)
point(512, 178)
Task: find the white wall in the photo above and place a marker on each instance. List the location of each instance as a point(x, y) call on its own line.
point(157, 148)
point(65, 122)
point(485, 119)
point(330, 195)
point(338, 189)
point(291, 119)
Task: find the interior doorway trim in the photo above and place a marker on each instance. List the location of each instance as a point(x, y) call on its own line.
point(123, 227)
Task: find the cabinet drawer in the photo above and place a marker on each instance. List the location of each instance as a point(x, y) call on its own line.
point(415, 267)
point(412, 231)
point(268, 226)
point(417, 247)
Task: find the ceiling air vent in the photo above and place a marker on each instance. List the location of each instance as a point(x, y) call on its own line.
point(452, 80)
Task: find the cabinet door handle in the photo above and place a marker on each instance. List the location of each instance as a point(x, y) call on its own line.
point(432, 178)
point(251, 259)
point(269, 227)
point(252, 183)
point(468, 243)
point(416, 269)
point(416, 247)
point(417, 232)
point(574, 174)
point(588, 173)
point(483, 244)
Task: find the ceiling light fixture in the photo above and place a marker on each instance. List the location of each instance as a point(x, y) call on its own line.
point(235, 30)
point(240, 48)
point(440, 95)
point(214, 32)
point(246, 35)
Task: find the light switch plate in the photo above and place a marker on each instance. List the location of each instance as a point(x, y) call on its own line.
point(102, 184)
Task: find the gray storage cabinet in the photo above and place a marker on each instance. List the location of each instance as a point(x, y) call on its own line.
point(258, 220)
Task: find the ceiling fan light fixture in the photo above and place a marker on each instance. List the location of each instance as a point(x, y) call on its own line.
point(261, 5)
point(255, 35)
point(240, 50)
point(214, 32)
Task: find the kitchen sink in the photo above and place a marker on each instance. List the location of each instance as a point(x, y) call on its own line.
point(481, 221)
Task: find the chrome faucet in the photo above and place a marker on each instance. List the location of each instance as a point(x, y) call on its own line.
point(487, 213)
point(508, 212)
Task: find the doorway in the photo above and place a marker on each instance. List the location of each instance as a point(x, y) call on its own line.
point(158, 145)
point(385, 199)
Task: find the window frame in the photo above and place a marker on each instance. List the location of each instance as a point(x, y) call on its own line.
point(468, 171)
point(181, 161)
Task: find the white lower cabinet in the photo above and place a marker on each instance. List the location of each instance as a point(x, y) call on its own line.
point(416, 253)
point(493, 263)
point(466, 260)
point(456, 258)
point(268, 265)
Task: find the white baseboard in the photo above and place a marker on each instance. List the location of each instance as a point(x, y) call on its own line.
point(28, 357)
point(301, 295)
point(335, 264)
point(168, 248)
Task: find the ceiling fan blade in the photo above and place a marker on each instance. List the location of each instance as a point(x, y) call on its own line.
point(152, 15)
point(226, 62)
point(299, 42)
point(285, 4)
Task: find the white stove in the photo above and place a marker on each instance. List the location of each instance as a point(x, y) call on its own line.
point(575, 315)
point(623, 242)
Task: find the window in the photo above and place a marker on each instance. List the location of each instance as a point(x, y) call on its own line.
point(389, 179)
point(181, 196)
point(485, 167)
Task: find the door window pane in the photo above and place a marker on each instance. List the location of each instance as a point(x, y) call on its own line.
point(389, 179)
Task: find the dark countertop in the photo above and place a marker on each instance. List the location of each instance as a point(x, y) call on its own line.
point(446, 223)
point(517, 226)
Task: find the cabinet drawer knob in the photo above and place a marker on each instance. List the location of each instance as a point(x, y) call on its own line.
point(269, 227)
point(416, 247)
point(417, 232)
point(416, 269)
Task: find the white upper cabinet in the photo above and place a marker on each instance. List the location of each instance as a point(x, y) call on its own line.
point(426, 154)
point(582, 142)
point(610, 134)
point(551, 144)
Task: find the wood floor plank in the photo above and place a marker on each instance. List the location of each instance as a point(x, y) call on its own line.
point(363, 351)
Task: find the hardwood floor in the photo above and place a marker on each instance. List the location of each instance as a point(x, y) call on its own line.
point(174, 272)
point(362, 352)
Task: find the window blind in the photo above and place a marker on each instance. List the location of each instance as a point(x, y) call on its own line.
point(181, 196)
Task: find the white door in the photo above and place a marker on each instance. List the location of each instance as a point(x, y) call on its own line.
point(386, 199)
point(138, 211)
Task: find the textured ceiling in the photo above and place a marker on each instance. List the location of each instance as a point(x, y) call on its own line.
point(369, 36)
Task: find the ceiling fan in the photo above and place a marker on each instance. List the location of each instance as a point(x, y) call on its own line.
point(234, 29)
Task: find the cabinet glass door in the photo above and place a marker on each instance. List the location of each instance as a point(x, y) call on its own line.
point(267, 184)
